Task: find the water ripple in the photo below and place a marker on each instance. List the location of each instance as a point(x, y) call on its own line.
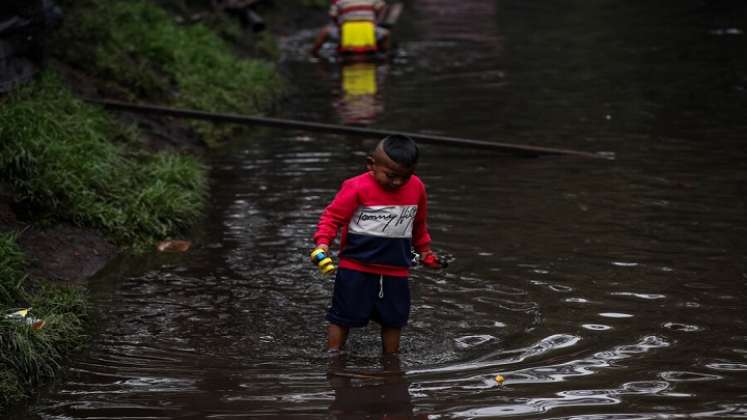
point(676, 326)
point(565, 399)
point(682, 376)
point(728, 366)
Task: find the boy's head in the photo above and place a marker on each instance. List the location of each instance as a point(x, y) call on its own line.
point(393, 161)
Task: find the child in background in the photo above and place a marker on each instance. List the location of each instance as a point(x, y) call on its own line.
point(382, 214)
point(354, 27)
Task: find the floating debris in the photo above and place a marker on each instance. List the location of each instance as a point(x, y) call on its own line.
point(174, 246)
point(499, 379)
point(22, 315)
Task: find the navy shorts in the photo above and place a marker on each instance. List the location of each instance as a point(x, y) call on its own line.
point(360, 297)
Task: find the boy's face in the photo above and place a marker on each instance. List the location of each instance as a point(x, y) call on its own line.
point(388, 174)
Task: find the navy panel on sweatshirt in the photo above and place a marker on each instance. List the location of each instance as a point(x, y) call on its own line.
point(378, 250)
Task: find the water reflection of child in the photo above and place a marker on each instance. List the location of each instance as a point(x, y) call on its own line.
point(371, 395)
point(359, 103)
point(382, 214)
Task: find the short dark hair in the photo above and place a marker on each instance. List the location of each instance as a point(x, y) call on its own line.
point(401, 149)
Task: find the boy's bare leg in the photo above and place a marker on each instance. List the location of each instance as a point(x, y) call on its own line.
point(336, 336)
point(390, 339)
point(384, 43)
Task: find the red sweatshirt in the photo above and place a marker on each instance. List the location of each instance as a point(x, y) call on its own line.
point(379, 227)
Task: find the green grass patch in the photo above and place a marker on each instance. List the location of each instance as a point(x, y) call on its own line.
point(140, 47)
point(56, 154)
point(11, 263)
point(29, 357)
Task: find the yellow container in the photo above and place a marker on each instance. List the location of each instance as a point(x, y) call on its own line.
point(358, 36)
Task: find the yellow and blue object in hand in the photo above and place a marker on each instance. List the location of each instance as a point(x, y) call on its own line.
point(320, 258)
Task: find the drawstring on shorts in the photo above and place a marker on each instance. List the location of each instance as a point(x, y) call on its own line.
point(381, 286)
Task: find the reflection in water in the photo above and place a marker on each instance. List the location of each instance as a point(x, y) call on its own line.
point(368, 394)
point(359, 103)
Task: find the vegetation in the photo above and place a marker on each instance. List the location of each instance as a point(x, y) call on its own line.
point(57, 156)
point(11, 263)
point(142, 50)
point(29, 356)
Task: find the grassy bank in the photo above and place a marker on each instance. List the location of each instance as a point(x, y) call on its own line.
point(63, 161)
point(144, 54)
point(29, 356)
point(141, 48)
point(58, 157)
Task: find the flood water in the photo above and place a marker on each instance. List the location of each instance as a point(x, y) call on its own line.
point(600, 289)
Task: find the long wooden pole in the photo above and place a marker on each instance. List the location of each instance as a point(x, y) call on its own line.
point(340, 129)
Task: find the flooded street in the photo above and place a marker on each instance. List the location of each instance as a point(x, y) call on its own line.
point(600, 289)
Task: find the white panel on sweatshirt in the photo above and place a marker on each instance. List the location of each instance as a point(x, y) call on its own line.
point(384, 221)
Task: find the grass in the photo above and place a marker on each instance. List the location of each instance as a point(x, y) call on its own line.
point(141, 48)
point(27, 356)
point(11, 263)
point(56, 154)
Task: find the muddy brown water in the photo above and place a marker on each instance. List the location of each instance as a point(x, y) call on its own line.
point(598, 289)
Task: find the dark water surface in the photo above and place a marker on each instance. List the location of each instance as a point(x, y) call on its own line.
point(599, 289)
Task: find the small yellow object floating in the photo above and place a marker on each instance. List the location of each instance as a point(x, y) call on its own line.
point(499, 379)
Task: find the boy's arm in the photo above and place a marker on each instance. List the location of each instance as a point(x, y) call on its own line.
point(421, 239)
point(380, 7)
point(336, 215)
point(334, 11)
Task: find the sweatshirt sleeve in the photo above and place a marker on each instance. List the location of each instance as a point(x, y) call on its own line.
point(337, 214)
point(421, 239)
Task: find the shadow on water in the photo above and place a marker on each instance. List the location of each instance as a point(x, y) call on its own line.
point(599, 290)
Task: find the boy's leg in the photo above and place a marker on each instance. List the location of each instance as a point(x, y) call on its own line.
point(352, 302)
point(336, 336)
point(392, 310)
point(390, 339)
point(382, 39)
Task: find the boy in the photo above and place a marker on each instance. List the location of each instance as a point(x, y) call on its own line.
point(382, 214)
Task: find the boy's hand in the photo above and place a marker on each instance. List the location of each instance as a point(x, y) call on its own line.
point(321, 258)
point(430, 259)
